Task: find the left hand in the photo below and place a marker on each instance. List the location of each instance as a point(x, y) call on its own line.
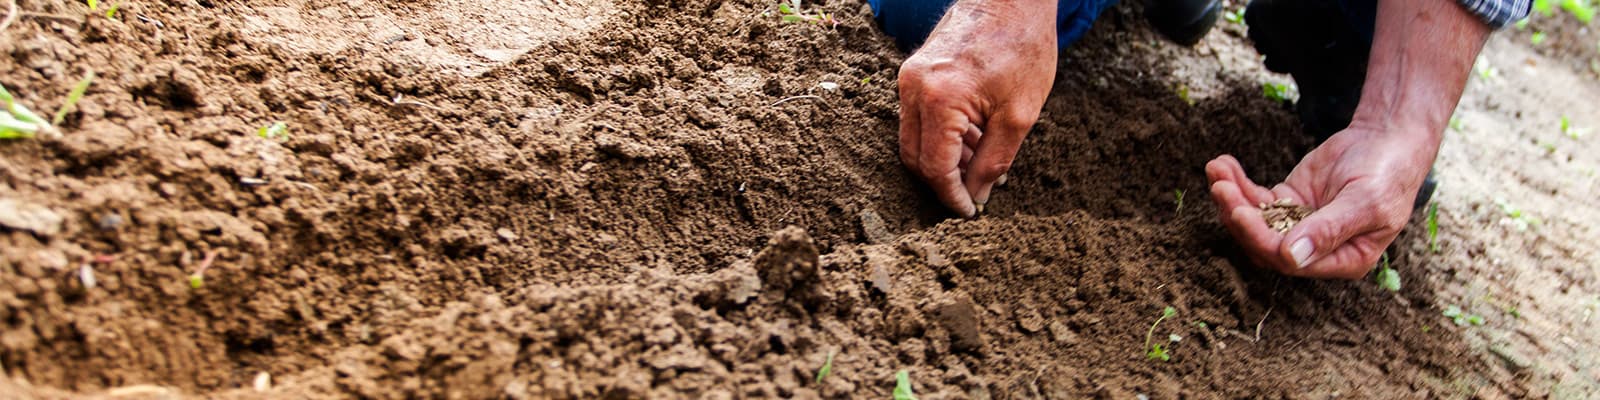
point(1362, 183)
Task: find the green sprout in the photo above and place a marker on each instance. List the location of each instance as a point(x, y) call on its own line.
point(791, 13)
point(1485, 71)
point(1433, 227)
point(902, 386)
point(278, 131)
point(1177, 196)
point(18, 122)
point(1456, 124)
point(1278, 91)
point(94, 5)
point(1156, 351)
point(1387, 278)
point(111, 13)
point(72, 98)
point(1236, 16)
point(1519, 219)
point(1183, 93)
point(1522, 24)
point(1544, 7)
point(827, 368)
point(1537, 38)
point(1580, 9)
point(1461, 318)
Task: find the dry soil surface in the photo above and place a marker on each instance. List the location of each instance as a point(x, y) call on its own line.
point(691, 198)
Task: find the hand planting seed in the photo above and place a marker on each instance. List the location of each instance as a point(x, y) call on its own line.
point(1284, 214)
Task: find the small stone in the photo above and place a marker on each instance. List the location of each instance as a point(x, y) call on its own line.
point(960, 317)
point(263, 382)
point(1030, 321)
point(874, 228)
point(1062, 334)
point(110, 222)
point(35, 218)
point(506, 234)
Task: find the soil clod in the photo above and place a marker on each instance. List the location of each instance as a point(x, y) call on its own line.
point(960, 317)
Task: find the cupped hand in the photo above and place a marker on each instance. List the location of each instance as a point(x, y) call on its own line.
point(1362, 183)
point(969, 96)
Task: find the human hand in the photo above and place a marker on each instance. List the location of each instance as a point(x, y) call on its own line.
point(1362, 183)
point(970, 95)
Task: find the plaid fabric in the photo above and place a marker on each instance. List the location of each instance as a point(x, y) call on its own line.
point(1499, 13)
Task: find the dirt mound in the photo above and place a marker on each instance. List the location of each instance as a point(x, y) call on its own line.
point(652, 199)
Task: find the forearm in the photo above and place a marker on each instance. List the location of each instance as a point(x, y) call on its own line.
point(1422, 54)
point(967, 18)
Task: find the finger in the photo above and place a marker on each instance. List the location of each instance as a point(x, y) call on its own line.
point(1227, 168)
point(972, 136)
point(1249, 229)
point(1228, 197)
point(940, 157)
point(1351, 261)
point(1002, 137)
point(1326, 231)
point(966, 157)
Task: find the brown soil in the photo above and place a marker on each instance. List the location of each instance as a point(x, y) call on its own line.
point(595, 199)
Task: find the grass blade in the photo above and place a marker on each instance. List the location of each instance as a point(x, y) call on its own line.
point(72, 98)
point(902, 386)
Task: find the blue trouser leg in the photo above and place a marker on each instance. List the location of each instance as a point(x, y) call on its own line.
point(910, 21)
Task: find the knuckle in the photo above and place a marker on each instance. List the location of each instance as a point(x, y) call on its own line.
point(991, 172)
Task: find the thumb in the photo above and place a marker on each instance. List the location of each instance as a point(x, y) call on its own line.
point(997, 148)
point(1326, 231)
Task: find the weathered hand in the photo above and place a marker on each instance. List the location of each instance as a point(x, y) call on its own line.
point(1362, 183)
point(970, 95)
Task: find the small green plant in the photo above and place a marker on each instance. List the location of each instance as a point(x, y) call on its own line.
point(1519, 219)
point(1183, 93)
point(1544, 7)
point(1512, 311)
point(791, 13)
point(1433, 227)
point(1236, 16)
point(1278, 91)
point(1485, 71)
point(1157, 351)
point(902, 386)
point(827, 368)
point(198, 278)
point(1456, 124)
point(72, 98)
point(278, 131)
point(1580, 9)
point(94, 5)
point(18, 122)
point(1387, 278)
point(111, 13)
point(1537, 38)
point(1177, 197)
point(1461, 318)
point(1522, 24)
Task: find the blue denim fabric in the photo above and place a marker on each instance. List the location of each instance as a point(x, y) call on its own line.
point(910, 21)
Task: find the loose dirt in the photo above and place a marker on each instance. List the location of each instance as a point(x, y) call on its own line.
point(586, 199)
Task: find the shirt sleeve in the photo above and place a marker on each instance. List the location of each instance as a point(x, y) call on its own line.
point(1499, 13)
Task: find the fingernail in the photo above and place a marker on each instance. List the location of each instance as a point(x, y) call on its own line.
point(1002, 180)
point(1301, 251)
point(979, 206)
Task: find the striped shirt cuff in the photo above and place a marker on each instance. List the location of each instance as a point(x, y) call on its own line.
point(1499, 13)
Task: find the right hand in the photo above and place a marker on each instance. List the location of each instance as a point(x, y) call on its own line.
point(969, 96)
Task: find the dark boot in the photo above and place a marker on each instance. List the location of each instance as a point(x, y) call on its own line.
point(1323, 44)
point(1183, 21)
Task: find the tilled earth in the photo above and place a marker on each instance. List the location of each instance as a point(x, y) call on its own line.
point(647, 199)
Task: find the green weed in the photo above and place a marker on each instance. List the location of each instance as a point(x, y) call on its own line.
point(72, 98)
point(1278, 91)
point(1537, 38)
point(902, 386)
point(791, 13)
point(1580, 9)
point(1519, 219)
point(1177, 196)
point(1461, 318)
point(1433, 227)
point(1183, 93)
point(1522, 24)
point(1236, 16)
point(1387, 278)
point(1544, 7)
point(1456, 124)
point(827, 368)
point(111, 13)
point(278, 131)
point(1157, 351)
point(94, 5)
